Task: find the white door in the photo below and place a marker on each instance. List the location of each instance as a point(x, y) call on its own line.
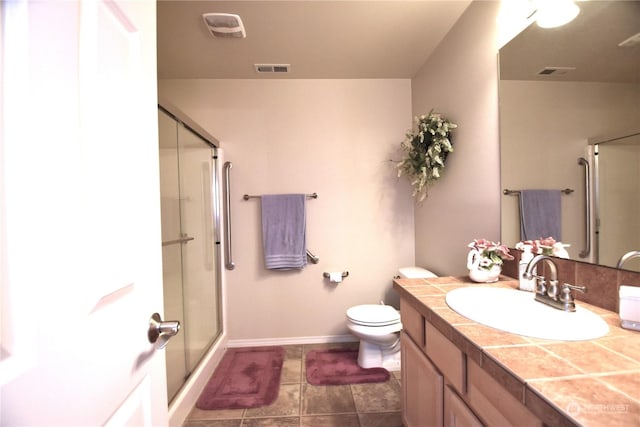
point(80, 250)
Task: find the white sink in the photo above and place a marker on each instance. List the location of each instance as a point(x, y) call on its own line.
point(517, 312)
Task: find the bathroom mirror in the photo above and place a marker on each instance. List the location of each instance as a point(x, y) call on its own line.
point(561, 90)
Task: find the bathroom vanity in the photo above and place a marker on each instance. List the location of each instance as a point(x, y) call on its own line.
point(456, 372)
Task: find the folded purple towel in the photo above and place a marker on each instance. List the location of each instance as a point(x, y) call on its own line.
point(284, 231)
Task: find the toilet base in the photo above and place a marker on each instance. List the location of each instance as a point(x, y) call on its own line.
point(373, 356)
point(392, 362)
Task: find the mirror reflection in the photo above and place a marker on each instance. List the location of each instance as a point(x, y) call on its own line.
point(572, 93)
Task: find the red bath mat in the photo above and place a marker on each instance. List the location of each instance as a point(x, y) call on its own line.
point(245, 378)
point(339, 367)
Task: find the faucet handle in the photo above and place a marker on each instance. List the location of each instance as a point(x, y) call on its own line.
point(541, 285)
point(566, 297)
point(552, 291)
point(582, 289)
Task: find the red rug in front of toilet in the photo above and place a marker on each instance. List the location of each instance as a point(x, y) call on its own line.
point(340, 367)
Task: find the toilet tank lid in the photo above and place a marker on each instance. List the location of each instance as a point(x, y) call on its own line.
point(415, 273)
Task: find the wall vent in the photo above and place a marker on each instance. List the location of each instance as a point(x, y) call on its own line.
point(556, 71)
point(272, 68)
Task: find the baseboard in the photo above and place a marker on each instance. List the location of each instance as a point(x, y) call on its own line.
point(291, 341)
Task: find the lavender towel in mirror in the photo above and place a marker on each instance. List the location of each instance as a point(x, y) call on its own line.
point(540, 214)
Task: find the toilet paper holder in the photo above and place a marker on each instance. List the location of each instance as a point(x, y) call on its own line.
point(327, 275)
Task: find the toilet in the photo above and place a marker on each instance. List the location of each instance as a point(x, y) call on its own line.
point(378, 327)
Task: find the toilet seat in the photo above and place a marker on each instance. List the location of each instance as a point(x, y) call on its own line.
point(373, 315)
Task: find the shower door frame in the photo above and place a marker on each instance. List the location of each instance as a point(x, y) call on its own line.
point(216, 195)
point(593, 153)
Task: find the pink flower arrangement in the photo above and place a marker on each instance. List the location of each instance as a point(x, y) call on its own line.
point(545, 246)
point(491, 253)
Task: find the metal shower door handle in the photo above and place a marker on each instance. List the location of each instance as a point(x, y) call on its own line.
point(159, 332)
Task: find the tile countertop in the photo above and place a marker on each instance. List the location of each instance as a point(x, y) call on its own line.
point(590, 383)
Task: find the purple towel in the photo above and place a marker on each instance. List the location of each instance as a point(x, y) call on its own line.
point(540, 214)
point(284, 231)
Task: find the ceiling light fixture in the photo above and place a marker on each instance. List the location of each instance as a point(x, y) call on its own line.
point(225, 25)
point(555, 13)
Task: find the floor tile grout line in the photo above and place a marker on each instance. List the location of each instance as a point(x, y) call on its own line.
point(355, 407)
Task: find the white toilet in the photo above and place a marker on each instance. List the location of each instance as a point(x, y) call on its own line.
point(378, 326)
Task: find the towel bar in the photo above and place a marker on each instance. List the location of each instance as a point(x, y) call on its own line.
point(314, 259)
point(309, 196)
point(508, 192)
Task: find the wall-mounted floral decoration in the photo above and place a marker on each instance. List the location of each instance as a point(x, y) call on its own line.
point(426, 151)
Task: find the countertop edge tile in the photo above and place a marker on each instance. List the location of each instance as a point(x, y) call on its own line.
point(546, 411)
point(514, 385)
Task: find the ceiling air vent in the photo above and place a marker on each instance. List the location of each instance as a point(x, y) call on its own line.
point(272, 68)
point(556, 71)
point(225, 25)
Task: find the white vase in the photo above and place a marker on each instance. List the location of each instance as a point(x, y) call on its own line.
point(478, 274)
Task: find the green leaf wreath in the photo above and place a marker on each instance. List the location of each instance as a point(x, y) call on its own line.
point(426, 151)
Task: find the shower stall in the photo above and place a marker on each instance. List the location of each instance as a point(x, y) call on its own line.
point(616, 194)
point(190, 195)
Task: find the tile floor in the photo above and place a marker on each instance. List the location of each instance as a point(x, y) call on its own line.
point(304, 405)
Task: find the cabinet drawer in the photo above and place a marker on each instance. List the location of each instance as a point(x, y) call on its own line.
point(446, 356)
point(493, 403)
point(412, 322)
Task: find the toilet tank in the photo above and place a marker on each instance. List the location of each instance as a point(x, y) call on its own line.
point(415, 273)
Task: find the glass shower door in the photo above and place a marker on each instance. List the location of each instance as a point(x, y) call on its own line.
point(189, 250)
point(618, 200)
point(171, 249)
point(199, 269)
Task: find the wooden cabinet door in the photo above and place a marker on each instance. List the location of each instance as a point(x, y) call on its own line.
point(456, 412)
point(422, 387)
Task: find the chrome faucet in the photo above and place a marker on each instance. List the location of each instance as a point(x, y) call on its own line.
point(549, 295)
point(626, 257)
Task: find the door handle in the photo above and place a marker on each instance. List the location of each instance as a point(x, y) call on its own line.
point(183, 239)
point(159, 332)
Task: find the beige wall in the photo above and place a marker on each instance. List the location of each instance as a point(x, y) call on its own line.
point(543, 138)
point(333, 137)
point(460, 81)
